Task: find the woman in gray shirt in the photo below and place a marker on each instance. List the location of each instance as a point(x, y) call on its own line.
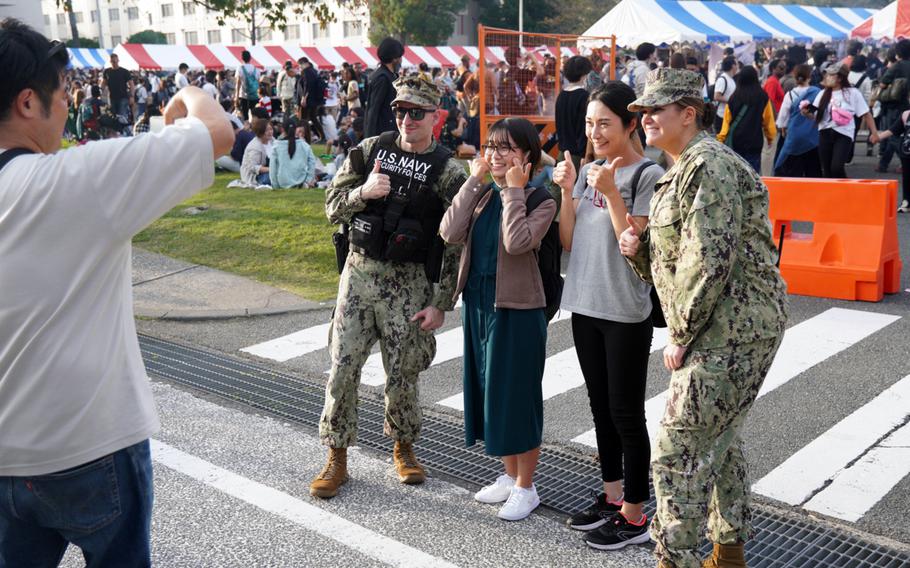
point(611, 309)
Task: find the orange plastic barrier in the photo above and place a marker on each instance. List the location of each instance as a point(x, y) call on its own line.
point(852, 253)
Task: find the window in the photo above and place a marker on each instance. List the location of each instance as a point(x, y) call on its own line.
point(263, 34)
point(114, 14)
point(116, 40)
point(353, 28)
point(171, 38)
point(94, 15)
point(47, 20)
point(167, 10)
point(132, 13)
point(237, 36)
point(319, 32)
point(61, 19)
point(79, 17)
point(214, 36)
point(189, 8)
point(292, 32)
point(190, 38)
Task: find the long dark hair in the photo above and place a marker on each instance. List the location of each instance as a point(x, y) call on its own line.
point(616, 96)
point(290, 132)
point(748, 92)
point(843, 77)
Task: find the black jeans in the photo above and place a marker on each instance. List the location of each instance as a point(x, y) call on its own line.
point(905, 176)
point(887, 148)
point(614, 361)
point(834, 151)
point(801, 165)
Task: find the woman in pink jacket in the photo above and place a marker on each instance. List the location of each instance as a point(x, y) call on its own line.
point(505, 329)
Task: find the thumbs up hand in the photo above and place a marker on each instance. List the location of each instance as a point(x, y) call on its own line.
point(629, 239)
point(602, 178)
point(377, 185)
point(565, 175)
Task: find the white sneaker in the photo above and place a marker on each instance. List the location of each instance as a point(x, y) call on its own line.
point(520, 504)
point(905, 206)
point(496, 492)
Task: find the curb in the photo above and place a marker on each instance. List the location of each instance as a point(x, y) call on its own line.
point(206, 315)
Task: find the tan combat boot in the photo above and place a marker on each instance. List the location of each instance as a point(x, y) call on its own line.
point(332, 476)
point(726, 556)
point(409, 469)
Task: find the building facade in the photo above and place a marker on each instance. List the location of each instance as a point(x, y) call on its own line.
point(111, 22)
point(27, 11)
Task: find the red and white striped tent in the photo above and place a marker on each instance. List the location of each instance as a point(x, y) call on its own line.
point(161, 57)
point(891, 22)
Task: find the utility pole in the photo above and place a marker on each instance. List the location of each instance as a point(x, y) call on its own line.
point(253, 24)
point(521, 21)
point(100, 31)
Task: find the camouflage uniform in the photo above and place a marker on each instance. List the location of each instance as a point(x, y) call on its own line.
point(709, 252)
point(376, 300)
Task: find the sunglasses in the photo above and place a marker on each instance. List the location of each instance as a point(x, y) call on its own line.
point(414, 113)
point(56, 47)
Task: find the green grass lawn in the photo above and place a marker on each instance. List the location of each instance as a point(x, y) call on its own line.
point(279, 237)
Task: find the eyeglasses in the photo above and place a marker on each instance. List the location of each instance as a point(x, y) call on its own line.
point(56, 47)
point(414, 113)
point(501, 149)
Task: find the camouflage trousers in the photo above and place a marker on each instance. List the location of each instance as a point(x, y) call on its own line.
point(376, 301)
point(698, 466)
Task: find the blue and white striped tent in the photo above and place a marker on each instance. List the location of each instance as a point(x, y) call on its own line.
point(672, 21)
point(88, 58)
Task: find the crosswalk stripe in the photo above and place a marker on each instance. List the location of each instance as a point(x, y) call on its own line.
point(859, 488)
point(293, 345)
point(826, 457)
point(805, 345)
point(562, 373)
point(449, 345)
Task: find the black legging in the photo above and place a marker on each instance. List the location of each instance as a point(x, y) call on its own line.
point(905, 176)
point(614, 361)
point(834, 151)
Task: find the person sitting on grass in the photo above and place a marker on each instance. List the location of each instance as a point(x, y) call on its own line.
point(291, 161)
point(254, 169)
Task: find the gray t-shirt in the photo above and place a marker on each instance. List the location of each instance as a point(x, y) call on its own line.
point(599, 281)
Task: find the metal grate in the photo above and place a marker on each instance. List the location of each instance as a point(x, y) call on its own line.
point(564, 478)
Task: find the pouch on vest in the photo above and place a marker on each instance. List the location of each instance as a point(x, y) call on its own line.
point(405, 242)
point(366, 233)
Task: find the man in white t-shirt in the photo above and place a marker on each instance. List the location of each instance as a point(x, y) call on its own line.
point(180, 79)
point(76, 409)
point(723, 88)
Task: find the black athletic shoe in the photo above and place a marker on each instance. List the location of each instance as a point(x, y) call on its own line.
point(617, 533)
point(595, 515)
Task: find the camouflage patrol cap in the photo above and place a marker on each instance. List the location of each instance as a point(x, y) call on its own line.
point(417, 91)
point(666, 86)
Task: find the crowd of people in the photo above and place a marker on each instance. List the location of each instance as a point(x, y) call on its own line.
point(683, 244)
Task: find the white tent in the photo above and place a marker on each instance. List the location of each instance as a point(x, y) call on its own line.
point(672, 21)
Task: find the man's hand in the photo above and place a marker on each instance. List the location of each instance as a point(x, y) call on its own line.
point(673, 356)
point(565, 175)
point(629, 239)
point(377, 185)
point(432, 317)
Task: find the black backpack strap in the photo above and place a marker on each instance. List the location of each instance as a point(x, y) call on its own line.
point(538, 196)
point(8, 156)
point(636, 177)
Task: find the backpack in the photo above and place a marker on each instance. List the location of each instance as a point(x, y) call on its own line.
point(250, 82)
point(549, 255)
point(895, 92)
point(657, 313)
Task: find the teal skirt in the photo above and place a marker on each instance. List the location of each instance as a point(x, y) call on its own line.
point(504, 354)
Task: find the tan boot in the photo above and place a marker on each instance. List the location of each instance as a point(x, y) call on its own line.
point(409, 469)
point(726, 556)
point(332, 476)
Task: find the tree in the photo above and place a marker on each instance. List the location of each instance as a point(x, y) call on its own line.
point(147, 36)
point(421, 22)
point(83, 42)
point(274, 11)
point(68, 8)
point(505, 14)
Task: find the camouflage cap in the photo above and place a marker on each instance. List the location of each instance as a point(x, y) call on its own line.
point(418, 91)
point(666, 86)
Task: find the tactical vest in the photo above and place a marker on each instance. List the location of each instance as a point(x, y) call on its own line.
point(404, 226)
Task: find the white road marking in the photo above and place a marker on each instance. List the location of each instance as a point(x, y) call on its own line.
point(854, 492)
point(805, 345)
point(310, 517)
point(293, 345)
point(826, 457)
